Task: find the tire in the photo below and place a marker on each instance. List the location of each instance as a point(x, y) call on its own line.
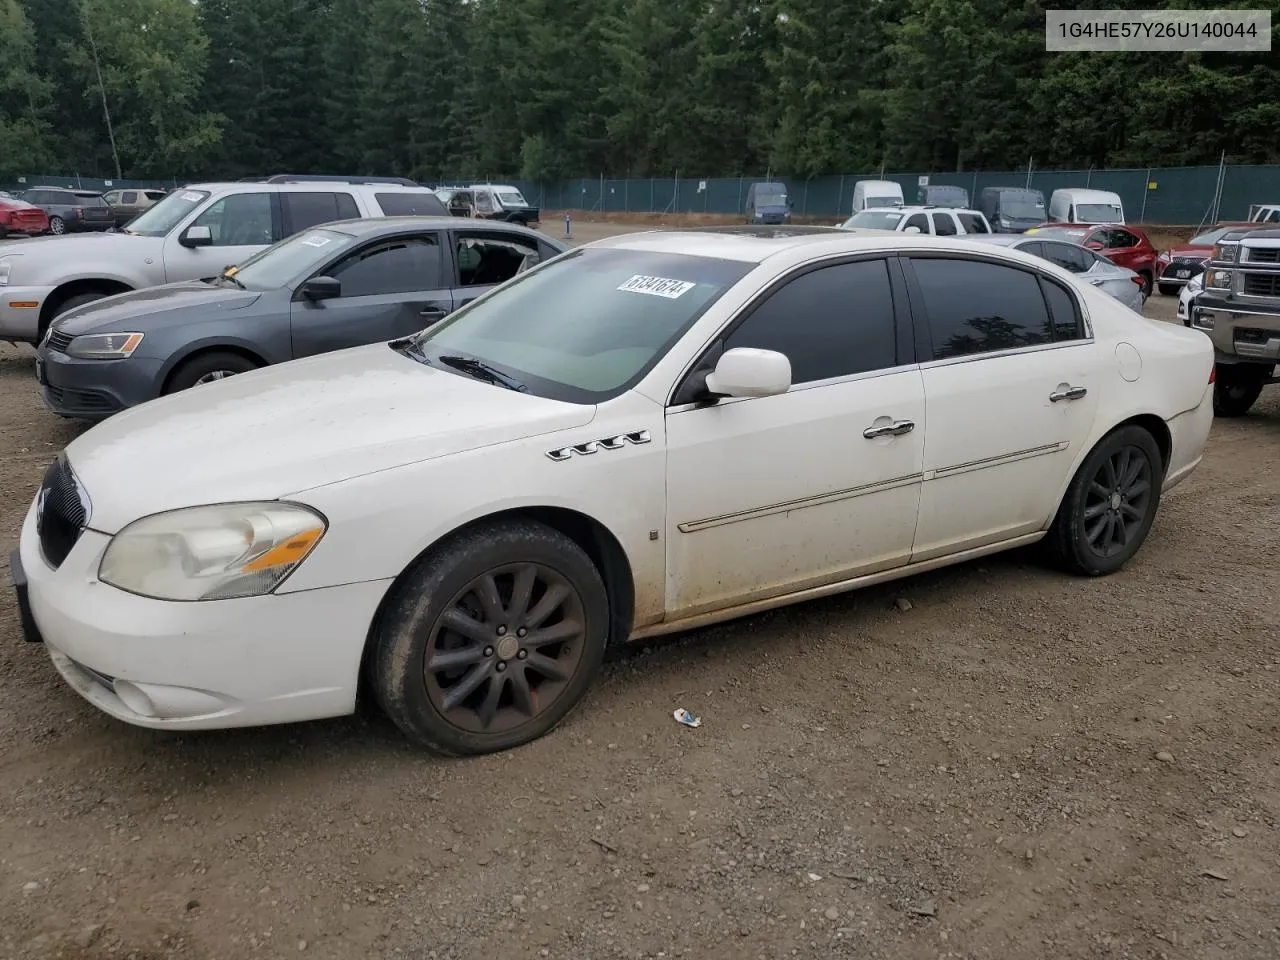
point(1235, 391)
point(1085, 511)
point(205, 367)
point(57, 226)
point(1169, 289)
point(445, 709)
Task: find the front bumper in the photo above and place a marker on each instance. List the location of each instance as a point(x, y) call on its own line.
point(95, 389)
point(195, 666)
point(20, 311)
point(1238, 335)
point(1178, 272)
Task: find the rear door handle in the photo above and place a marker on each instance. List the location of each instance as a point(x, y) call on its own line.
point(895, 429)
point(1071, 393)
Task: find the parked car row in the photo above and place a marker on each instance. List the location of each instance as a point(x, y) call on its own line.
point(626, 439)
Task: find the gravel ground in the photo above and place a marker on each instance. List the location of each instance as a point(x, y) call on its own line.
point(1019, 764)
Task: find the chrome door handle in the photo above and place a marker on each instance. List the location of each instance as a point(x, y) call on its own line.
point(895, 429)
point(1071, 393)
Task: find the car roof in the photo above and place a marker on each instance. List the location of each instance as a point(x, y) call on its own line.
point(1087, 193)
point(371, 226)
point(307, 186)
point(920, 208)
point(748, 245)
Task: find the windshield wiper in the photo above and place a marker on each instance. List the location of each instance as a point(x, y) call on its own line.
point(482, 371)
point(232, 278)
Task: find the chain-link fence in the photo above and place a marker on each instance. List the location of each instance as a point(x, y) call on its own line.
point(1155, 195)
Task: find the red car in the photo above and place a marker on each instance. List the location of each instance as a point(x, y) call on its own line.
point(1123, 245)
point(1174, 267)
point(18, 216)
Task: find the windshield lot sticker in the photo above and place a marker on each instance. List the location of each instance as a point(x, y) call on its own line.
point(657, 286)
point(316, 241)
point(192, 197)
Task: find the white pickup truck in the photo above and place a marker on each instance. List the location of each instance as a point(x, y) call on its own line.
point(194, 232)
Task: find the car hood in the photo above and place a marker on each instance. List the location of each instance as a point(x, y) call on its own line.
point(1188, 251)
point(287, 428)
point(176, 299)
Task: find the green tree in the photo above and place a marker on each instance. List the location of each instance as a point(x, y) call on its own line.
point(25, 136)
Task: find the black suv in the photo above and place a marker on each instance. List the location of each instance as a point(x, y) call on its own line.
point(71, 211)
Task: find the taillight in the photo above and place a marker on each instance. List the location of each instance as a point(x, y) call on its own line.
point(1213, 373)
point(1137, 280)
point(79, 211)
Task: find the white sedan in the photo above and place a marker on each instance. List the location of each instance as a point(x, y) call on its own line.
point(645, 434)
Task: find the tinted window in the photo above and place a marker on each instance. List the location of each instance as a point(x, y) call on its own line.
point(400, 266)
point(155, 194)
point(919, 221)
point(129, 196)
point(943, 225)
point(484, 261)
point(1063, 310)
point(1067, 255)
point(305, 210)
point(1121, 238)
point(238, 219)
point(66, 199)
point(976, 307)
point(417, 204)
point(88, 200)
point(972, 223)
point(830, 322)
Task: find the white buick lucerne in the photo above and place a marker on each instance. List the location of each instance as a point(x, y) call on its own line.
point(645, 434)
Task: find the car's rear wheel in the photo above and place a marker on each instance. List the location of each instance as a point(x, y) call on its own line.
point(491, 640)
point(1110, 505)
point(1168, 289)
point(1236, 389)
point(207, 368)
point(57, 225)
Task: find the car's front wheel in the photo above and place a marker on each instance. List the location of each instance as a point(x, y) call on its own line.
point(1236, 389)
point(1110, 505)
point(206, 368)
point(492, 639)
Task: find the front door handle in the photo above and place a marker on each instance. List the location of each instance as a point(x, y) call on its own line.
point(432, 314)
point(1071, 393)
point(895, 429)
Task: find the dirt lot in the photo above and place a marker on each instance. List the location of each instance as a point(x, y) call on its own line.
point(1020, 765)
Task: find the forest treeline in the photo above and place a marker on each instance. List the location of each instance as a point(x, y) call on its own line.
point(557, 88)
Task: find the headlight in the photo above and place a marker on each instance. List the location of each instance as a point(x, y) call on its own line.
point(6, 265)
point(1219, 280)
point(1195, 284)
point(212, 553)
point(1005, 222)
point(104, 346)
point(1226, 252)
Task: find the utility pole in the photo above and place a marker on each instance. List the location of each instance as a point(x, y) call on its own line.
point(102, 90)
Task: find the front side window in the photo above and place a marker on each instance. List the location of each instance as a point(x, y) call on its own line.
point(167, 213)
point(977, 307)
point(831, 322)
point(404, 265)
point(917, 220)
point(238, 220)
point(587, 326)
point(485, 261)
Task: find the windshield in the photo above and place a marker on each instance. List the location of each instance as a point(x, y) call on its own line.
point(1210, 238)
point(883, 201)
point(1099, 213)
point(511, 198)
point(165, 215)
point(90, 200)
point(772, 197)
point(875, 220)
point(1022, 208)
point(289, 259)
point(586, 326)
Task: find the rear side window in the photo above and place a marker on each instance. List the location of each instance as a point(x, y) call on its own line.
point(1064, 312)
point(975, 307)
point(422, 203)
point(397, 266)
point(1067, 255)
point(972, 223)
point(943, 225)
point(831, 322)
point(305, 210)
point(129, 196)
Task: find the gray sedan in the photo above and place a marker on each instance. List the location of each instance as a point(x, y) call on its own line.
point(1121, 282)
point(339, 285)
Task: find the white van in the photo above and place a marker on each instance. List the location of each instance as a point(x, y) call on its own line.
point(876, 193)
point(1076, 205)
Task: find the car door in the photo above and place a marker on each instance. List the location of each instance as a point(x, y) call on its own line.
point(240, 224)
point(770, 495)
point(391, 287)
point(482, 259)
point(1010, 375)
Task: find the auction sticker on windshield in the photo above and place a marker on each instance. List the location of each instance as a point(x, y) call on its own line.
point(192, 197)
point(657, 286)
point(315, 240)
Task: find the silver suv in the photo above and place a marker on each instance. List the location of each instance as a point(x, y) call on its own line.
point(194, 232)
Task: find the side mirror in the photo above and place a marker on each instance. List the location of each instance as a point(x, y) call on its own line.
point(194, 237)
point(911, 230)
point(320, 288)
point(750, 372)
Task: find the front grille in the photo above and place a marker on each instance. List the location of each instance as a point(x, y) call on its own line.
point(1263, 254)
point(87, 401)
point(1261, 284)
point(59, 341)
point(61, 513)
point(1253, 335)
point(1194, 266)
